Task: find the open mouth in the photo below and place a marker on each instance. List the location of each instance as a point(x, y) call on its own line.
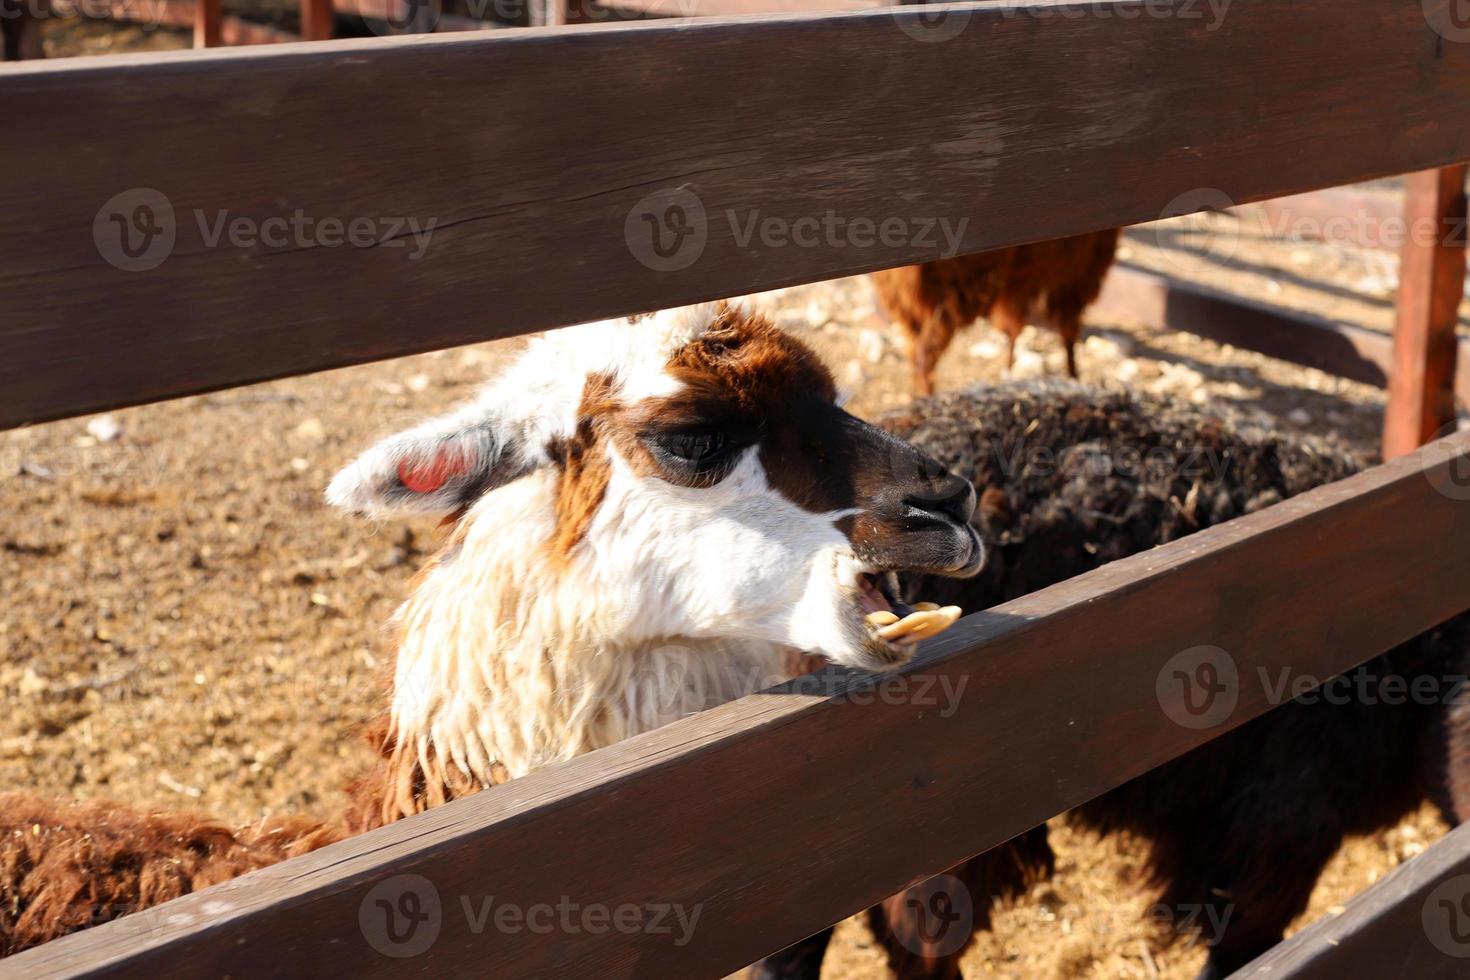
point(895, 622)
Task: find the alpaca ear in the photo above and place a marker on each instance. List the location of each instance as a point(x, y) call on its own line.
point(436, 468)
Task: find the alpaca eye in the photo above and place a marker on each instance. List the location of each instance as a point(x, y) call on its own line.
point(699, 446)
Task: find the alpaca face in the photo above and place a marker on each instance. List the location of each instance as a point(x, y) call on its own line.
point(691, 477)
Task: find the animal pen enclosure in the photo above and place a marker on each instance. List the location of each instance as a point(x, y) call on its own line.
point(988, 118)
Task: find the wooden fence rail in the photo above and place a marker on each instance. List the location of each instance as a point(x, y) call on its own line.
point(544, 195)
point(775, 815)
point(1415, 923)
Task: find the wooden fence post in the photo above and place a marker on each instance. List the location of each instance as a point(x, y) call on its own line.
point(207, 17)
point(316, 20)
point(549, 13)
point(1421, 397)
point(20, 31)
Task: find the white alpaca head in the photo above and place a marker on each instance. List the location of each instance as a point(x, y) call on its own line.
point(683, 476)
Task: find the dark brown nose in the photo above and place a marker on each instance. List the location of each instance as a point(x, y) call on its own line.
point(919, 490)
point(946, 496)
point(912, 513)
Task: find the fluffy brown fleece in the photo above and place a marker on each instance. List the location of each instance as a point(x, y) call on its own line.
point(1057, 279)
point(66, 866)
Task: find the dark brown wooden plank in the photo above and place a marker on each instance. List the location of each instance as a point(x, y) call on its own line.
point(1415, 922)
point(1421, 390)
point(780, 813)
point(538, 191)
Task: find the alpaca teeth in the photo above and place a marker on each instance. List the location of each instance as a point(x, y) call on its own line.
point(921, 624)
point(909, 624)
point(881, 618)
point(950, 615)
point(925, 606)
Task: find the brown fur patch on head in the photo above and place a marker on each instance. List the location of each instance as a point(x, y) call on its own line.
point(744, 357)
point(583, 467)
point(764, 385)
point(744, 383)
point(741, 375)
point(741, 371)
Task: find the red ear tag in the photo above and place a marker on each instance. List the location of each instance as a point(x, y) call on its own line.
point(430, 476)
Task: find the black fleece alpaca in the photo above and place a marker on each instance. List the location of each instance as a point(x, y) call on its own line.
point(1071, 478)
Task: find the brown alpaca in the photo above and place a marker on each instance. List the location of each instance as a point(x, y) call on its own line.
point(66, 866)
point(639, 512)
point(934, 301)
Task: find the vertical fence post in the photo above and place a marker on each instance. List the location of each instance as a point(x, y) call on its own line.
point(207, 17)
point(1421, 390)
point(549, 13)
point(20, 31)
point(316, 20)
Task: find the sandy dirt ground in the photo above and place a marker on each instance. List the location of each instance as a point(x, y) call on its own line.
point(185, 625)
